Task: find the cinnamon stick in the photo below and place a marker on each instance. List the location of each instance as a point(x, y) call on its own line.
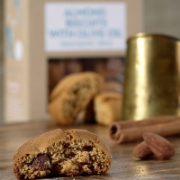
point(129, 131)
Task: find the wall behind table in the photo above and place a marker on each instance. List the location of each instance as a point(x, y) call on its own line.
point(162, 16)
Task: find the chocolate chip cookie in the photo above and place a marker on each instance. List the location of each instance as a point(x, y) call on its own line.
point(57, 152)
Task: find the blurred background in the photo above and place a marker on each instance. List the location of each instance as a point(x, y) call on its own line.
point(160, 16)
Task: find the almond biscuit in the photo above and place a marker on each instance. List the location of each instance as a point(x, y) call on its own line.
point(72, 95)
point(107, 107)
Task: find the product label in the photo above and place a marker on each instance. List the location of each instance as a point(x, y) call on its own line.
point(85, 26)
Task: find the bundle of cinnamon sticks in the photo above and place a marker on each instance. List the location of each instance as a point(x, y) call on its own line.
point(130, 131)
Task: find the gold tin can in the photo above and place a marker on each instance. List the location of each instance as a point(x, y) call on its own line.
point(152, 76)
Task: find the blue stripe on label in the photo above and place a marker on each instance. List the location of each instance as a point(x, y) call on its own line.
point(9, 42)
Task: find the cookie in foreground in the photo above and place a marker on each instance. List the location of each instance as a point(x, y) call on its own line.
point(62, 153)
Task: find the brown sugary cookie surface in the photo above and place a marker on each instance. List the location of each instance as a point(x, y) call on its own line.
point(72, 95)
point(108, 107)
point(58, 152)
